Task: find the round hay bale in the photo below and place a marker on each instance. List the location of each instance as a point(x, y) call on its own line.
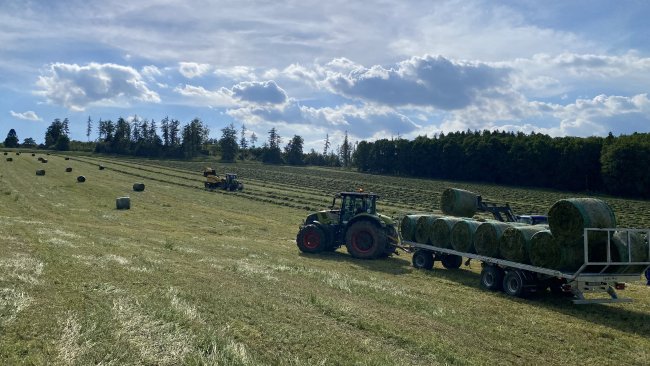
point(40, 158)
point(545, 251)
point(68, 169)
point(407, 226)
point(17, 153)
point(424, 228)
point(123, 203)
point(5, 153)
point(67, 158)
point(138, 187)
point(458, 202)
point(487, 236)
point(48, 153)
point(441, 231)
point(33, 154)
point(81, 179)
point(462, 236)
point(10, 159)
point(40, 172)
point(44, 161)
point(569, 217)
point(101, 167)
point(514, 244)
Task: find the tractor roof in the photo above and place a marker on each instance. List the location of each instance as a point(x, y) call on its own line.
point(359, 194)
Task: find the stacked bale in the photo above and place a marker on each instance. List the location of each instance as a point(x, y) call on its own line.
point(81, 179)
point(40, 172)
point(515, 245)
point(407, 226)
point(424, 229)
point(138, 187)
point(462, 236)
point(441, 231)
point(487, 236)
point(68, 169)
point(458, 202)
point(123, 203)
point(637, 250)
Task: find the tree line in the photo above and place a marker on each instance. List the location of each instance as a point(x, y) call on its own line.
point(614, 165)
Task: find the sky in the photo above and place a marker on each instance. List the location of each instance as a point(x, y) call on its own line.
point(376, 69)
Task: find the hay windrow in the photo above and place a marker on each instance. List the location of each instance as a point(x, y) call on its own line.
point(458, 202)
point(441, 231)
point(514, 244)
point(462, 236)
point(569, 217)
point(487, 236)
point(424, 228)
point(407, 226)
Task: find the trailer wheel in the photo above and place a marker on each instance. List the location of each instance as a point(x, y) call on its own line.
point(513, 283)
point(492, 278)
point(451, 261)
point(423, 259)
point(311, 239)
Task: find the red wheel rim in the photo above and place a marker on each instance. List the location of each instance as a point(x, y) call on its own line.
point(363, 241)
point(311, 239)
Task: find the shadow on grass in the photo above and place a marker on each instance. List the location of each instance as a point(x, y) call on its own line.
point(393, 265)
point(615, 316)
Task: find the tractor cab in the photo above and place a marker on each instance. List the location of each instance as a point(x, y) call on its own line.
point(355, 203)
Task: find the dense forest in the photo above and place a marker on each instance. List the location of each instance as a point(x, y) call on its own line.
point(617, 165)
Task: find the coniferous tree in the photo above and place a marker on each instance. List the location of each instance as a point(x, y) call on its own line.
point(228, 143)
point(12, 139)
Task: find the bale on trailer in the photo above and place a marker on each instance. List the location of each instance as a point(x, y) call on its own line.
point(514, 244)
point(462, 236)
point(40, 172)
point(68, 169)
point(487, 236)
point(407, 226)
point(123, 203)
point(458, 202)
point(81, 179)
point(638, 250)
point(138, 187)
point(441, 231)
point(424, 228)
point(569, 217)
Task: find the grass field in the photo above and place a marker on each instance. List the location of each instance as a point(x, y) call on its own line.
point(194, 277)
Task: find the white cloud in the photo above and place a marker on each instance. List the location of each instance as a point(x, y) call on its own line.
point(192, 69)
point(75, 87)
point(237, 73)
point(28, 116)
point(200, 96)
point(267, 92)
point(151, 72)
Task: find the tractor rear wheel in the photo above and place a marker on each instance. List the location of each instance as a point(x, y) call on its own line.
point(365, 240)
point(311, 239)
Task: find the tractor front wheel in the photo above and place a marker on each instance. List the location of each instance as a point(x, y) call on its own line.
point(365, 240)
point(311, 239)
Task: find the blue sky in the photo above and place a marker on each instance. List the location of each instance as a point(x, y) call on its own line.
point(374, 69)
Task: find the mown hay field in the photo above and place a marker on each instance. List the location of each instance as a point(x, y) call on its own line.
point(189, 276)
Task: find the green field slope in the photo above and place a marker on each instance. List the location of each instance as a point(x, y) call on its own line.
point(189, 276)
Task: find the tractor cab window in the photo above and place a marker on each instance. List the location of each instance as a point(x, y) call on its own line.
point(354, 205)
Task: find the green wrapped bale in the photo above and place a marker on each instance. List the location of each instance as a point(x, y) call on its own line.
point(138, 187)
point(123, 203)
point(549, 252)
point(462, 236)
point(514, 244)
point(569, 217)
point(424, 228)
point(487, 236)
point(441, 231)
point(407, 226)
point(638, 248)
point(458, 202)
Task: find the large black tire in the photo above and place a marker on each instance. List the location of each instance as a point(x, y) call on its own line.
point(365, 240)
point(422, 259)
point(492, 278)
point(451, 261)
point(514, 284)
point(311, 239)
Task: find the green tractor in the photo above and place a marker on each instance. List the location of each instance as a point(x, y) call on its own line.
point(356, 224)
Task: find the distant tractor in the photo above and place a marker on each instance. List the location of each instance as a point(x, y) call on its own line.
point(228, 182)
point(356, 224)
